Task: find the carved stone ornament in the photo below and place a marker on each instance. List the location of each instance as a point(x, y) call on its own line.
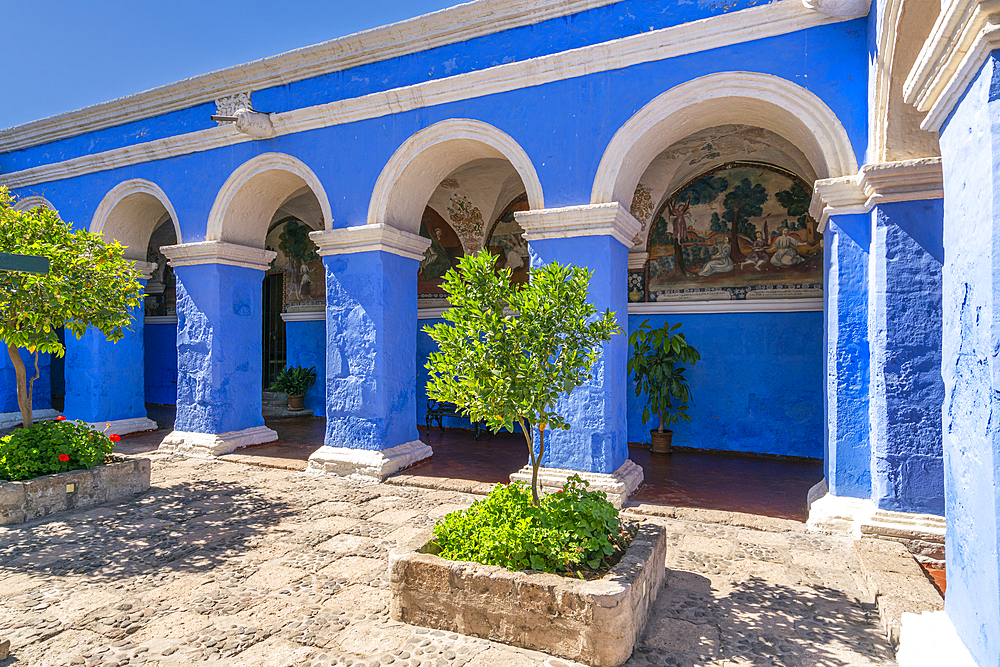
point(841, 8)
point(228, 106)
point(254, 124)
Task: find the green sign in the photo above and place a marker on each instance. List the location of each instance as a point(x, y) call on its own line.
point(24, 263)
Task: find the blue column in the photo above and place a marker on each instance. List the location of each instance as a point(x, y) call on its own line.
point(970, 364)
point(906, 390)
point(371, 337)
point(105, 381)
point(595, 237)
point(219, 357)
point(847, 458)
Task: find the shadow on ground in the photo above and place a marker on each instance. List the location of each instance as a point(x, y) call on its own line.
point(756, 622)
point(189, 526)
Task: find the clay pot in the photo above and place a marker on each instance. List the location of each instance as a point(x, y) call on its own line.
point(661, 441)
point(295, 402)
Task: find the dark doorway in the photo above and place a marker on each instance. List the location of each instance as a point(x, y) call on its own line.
point(274, 327)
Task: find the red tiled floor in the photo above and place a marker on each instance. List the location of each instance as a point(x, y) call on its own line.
point(757, 485)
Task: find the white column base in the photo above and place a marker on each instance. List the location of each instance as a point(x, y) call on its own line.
point(366, 464)
point(12, 419)
point(207, 445)
point(123, 426)
point(930, 640)
point(618, 485)
point(923, 534)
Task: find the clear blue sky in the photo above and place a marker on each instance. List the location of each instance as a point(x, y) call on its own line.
point(60, 55)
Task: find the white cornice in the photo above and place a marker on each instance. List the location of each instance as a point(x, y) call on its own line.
point(160, 319)
point(874, 184)
point(963, 35)
point(777, 18)
point(304, 316)
point(218, 252)
point(724, 306)
point(848, 9)
point(448, 26)
point(33, 201)
point(637, 260)
point(573, 221)
point(145, 268)
point(430, 313)
point(370, 238)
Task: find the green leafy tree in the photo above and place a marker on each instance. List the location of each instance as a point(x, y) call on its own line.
point(795, 201)
point(508, 352)
point(89, 284)
point(295, 243)
point(743, 202)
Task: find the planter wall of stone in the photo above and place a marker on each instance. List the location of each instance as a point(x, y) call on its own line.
point(39, 497)
point(594, 622)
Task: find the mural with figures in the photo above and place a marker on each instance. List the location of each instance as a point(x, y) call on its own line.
point(444, 253)
point(506, 240)
point(305, 284)
point(739, 231)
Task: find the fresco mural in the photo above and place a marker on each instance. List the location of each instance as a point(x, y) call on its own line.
point(161, 288)
point(445, 251)
point(506, 240)
point(305, 284)
point(739, 231)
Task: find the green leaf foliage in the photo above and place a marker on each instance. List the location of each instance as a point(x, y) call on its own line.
point(569, 531)
point(89, 283)
point(657, 370)
point(507, 352)
point(34, 451)
point(294, 380)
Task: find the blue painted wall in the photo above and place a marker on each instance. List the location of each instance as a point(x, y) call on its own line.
point(161, 363)
point(104, 380)
point(305, 346)
point(757, 388)
point(219, 311)
point(41, 394)
point(971, 338)
point(847, 452)
point(906, 390)
point(371, 311)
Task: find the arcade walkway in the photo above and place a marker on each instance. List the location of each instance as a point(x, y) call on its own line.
point(709, 480)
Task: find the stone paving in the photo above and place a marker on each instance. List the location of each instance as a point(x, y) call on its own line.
point(227, 564)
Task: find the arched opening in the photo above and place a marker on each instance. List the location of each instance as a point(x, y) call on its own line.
point(273, 202)
point(139, 215)
point(458, 184)
point(719, 172)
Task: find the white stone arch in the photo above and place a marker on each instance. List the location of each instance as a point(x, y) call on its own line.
point(418, 166)
point(745, 98)
point(248, 199)
point(131, 212)
point(33, 201)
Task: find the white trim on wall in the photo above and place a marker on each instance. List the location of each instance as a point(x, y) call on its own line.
point(32, 201)
point(160, 319)
point(304, 316)
point(430, 313)
point(747, 306)
point(776, 18)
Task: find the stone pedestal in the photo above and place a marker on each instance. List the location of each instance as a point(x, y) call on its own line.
point(596, 237)
point(618, 485)
point(219, 314)
point(904, 330)
point(371, 332)
point(105, 381)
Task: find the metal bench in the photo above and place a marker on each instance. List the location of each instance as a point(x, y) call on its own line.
point(438, 410)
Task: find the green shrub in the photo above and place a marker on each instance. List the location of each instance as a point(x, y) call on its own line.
point(47, 448)
point(568, 531)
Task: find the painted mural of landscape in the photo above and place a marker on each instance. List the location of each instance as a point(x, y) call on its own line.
point(297, 256)
point(740, 231)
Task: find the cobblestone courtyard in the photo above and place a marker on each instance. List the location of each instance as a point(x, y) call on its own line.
point(227, 564)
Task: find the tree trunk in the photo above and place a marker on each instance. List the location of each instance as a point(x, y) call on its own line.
point(735, 253)
point(680, 268)
point(23, 393)
point(526, 430)
point(536, 464)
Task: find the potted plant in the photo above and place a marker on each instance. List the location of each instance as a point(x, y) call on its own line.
point(294, 381)
point(656, 367)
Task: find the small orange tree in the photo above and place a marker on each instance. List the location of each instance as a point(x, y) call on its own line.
point(508, 352)
point(89, 284)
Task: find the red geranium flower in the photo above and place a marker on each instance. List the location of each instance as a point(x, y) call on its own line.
point(115, 437)
point(60, 418)
point(64, 457)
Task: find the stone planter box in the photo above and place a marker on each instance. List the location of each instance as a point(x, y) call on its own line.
point(594, 622)
point(77, 489)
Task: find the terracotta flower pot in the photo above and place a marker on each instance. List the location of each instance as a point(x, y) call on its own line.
point(295, 402)
point(661, 441)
